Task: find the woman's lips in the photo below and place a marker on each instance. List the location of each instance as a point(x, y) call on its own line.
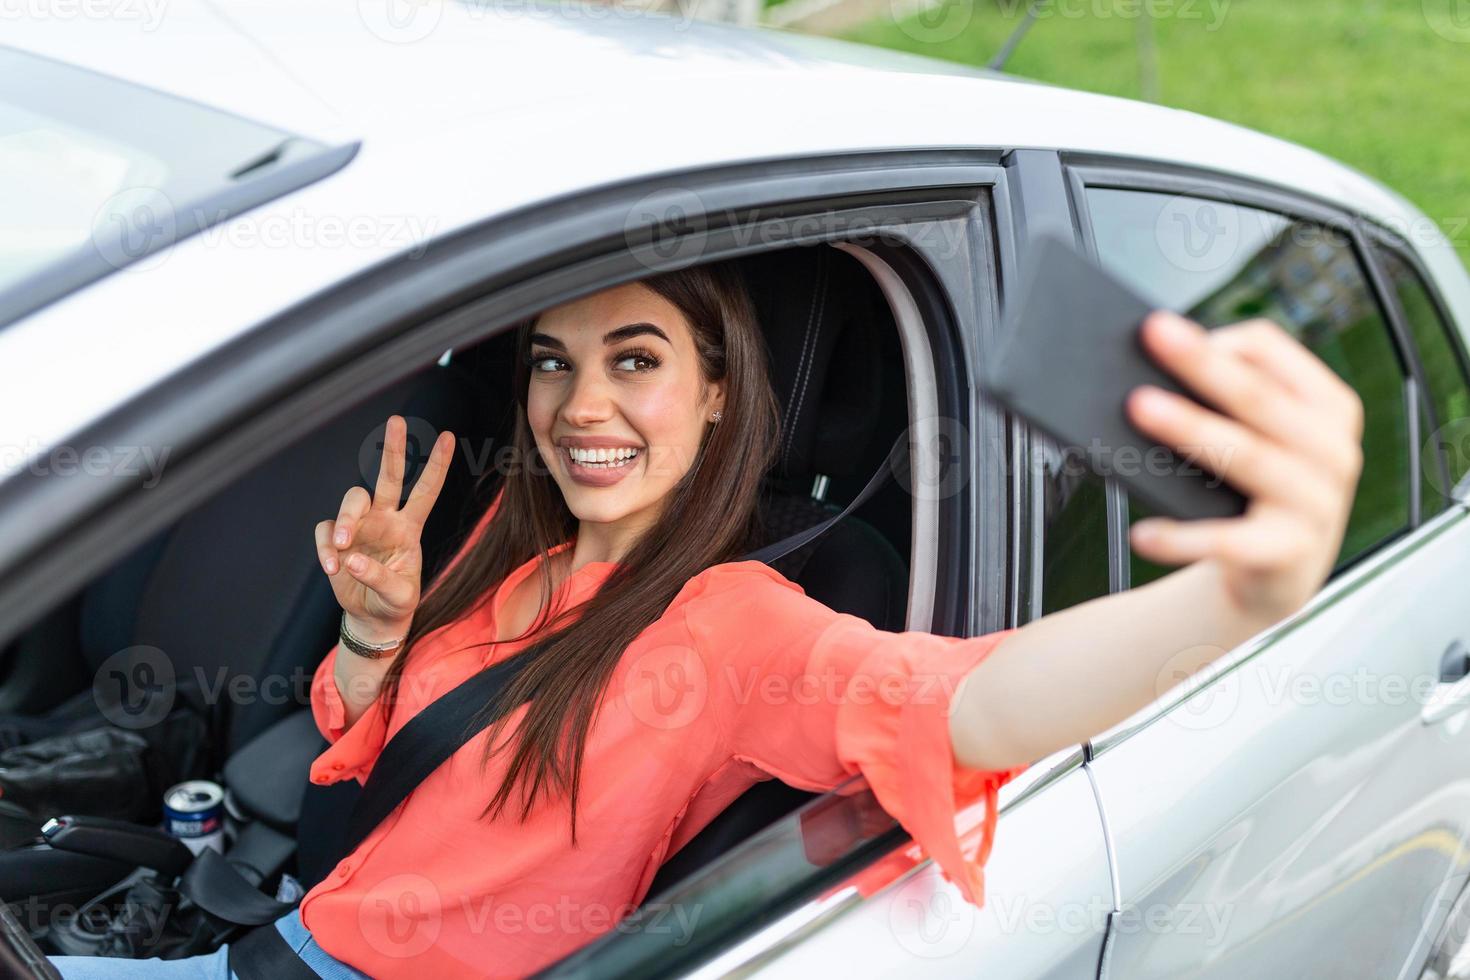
point(598, 476)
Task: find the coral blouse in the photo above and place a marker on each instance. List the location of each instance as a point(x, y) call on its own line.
point(744, 677)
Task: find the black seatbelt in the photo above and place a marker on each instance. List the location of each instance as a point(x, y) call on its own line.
point(217, 886)
point(897, 458)
point(263, 954)
point(430, 737)
point(424, 744)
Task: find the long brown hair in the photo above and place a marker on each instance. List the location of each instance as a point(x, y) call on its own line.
point(709, 517)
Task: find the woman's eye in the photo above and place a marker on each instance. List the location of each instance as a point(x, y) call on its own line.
point(636, 363)
point(545, 365)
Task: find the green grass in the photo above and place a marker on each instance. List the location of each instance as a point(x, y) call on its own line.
point(1369, 83)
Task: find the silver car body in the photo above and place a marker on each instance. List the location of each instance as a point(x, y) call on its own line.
point(1232, 829)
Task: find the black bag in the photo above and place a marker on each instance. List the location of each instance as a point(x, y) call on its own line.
point(101, 772)
point(105, 771)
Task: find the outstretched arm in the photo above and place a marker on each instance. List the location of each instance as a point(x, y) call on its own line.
point(1288, 435)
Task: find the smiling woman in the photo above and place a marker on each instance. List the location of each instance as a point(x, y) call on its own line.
point(641, 367)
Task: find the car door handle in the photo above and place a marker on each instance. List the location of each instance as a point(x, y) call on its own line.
point(1452, 694)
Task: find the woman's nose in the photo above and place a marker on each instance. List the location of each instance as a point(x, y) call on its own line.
point(588, 401)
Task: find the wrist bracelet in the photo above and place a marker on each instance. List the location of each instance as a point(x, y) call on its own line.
point(369, 651)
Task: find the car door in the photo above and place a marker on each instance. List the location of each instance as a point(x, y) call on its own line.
point(1300, 807)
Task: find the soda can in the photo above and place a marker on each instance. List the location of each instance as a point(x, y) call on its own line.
point(194, 812)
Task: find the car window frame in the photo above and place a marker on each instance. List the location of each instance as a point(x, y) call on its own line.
point(1038, 205)
point(1382, 239)
point(1094, 170)
point(229, 411)
point(1043, 200)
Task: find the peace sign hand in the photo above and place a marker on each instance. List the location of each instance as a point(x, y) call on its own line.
point(371, 552)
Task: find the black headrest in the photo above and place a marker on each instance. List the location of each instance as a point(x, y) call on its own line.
point(820, 311)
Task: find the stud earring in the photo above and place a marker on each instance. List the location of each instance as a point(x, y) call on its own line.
point(717, 416)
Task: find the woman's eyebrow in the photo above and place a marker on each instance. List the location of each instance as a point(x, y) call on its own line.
point(634, 330)
point(611, 337)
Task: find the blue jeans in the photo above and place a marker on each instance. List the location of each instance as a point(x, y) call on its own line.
point(208, 966)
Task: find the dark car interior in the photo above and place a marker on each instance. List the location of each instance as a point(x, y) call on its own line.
point(192, 656)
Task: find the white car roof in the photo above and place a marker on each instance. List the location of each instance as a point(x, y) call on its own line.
point(401, 71)
point(468, 110)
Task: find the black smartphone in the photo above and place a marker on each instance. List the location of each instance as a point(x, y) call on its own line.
point(1068, 354)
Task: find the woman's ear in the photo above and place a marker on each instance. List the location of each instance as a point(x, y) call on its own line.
point(716, 398)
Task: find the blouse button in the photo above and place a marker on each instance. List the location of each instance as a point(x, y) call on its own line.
point(321, 780)
point(337, 766)
point(344, 869)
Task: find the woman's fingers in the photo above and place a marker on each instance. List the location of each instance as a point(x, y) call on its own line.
point(1258, 373)
point(325, 552)
point(395, 590)
point(1235, 385)
point(1255, 371)
point(355, 504)
point(1172, 542)
point(1266, 538)
point(1251, 463)
point(431, 480)
point(390, 468)
point(1281, 427)
point(1274, 350)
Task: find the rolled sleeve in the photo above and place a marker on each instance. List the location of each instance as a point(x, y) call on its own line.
point(326, 701)
point(816, 697)
point(900, 742)
point(351, 752)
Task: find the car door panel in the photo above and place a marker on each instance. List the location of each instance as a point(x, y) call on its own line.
point(1295, 812)
point(1047, 898)
point(1287, 809)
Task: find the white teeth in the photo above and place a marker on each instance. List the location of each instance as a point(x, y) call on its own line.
point(604, 458)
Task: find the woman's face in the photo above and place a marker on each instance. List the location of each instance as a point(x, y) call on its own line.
point(617, 402)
